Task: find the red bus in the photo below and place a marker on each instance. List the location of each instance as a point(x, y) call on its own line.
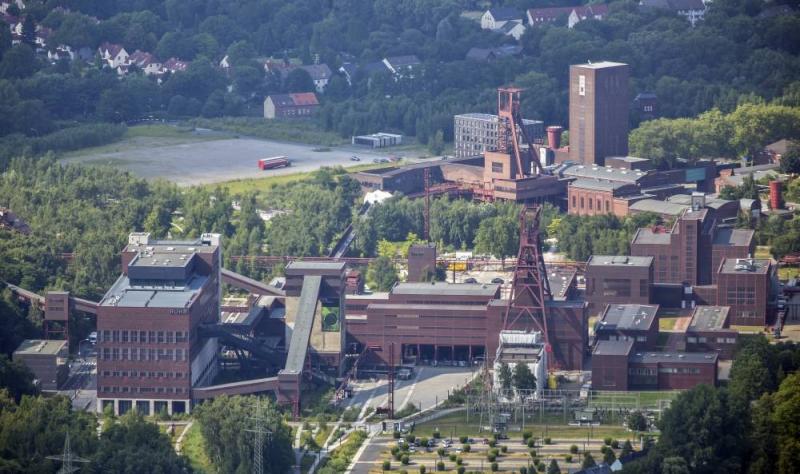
point(274, 162)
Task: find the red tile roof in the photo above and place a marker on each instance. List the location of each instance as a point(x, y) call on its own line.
point(304, 98)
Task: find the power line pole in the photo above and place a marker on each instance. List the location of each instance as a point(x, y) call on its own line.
point(260, 434)
point(68, 458)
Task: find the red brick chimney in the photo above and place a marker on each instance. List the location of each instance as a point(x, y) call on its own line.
point(554, 136)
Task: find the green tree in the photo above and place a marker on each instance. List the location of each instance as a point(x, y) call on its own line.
point(16, 378)
point(553, 468)
point(298, 80)
point(752, 371)
point(674, 465)
point(588, 460)
point(436, 144)
point(523, 377)
point(498, 236)
point(504, 376)
point(637, 421)
point(382, 273)
point(790, 161)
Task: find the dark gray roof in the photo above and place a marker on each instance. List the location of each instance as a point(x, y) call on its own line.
point(709, 318)
point(124, 294)
point(559, 280)
point(620, 261)
point(41, 346)
point(659, 207)
point(410, 307)
point(730, 236)
point(505, 14)
point(647, 236)
point(318, 72)
point(684, 357)
point(483, 54)
point(628, 316)
point(597, 185)
point(447, 289)
point(403, 61)
point(303, 322)
point(613, 348)
point(744, 265)
point(315, 265)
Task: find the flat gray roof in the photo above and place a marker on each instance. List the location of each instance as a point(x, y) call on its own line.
point(41, 346)
point(600, 65)
point(602, 172)
point(620, 261)
point(628, 316)
point(647, 236)
point(410, 307)
point(709, 318)
point(123, 294)
point(744, 265)
point(597, 184)
point(730, 236)
point(613, 348)
point(559, 280)
point(628, 159)
point(682, 357)
point(172, 247)
point(446, 289)
point(659, 207)
point(313, 265)
point(162, 259)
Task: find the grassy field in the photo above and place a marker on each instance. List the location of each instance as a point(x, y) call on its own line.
point(241, 186)
point(644, 399)
point(292, 131)
point(762, 251)
point(666, 324)
point(194, 449)
point(786, 273)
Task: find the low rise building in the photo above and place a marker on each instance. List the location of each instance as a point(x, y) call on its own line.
point(614, 280)
point(708, 331)
point(378, 140)
point(300, 105)
point(629, 322)
point(744, 285)
point(476, 133)
point(47, 359)
point(520, 347)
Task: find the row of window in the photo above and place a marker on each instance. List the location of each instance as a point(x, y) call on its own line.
point(591, 204)
point(144, 337)
point(741, 296)
point(702, 340)
point(142, 354)
point(679, 370)
point(614, 337)
point(166, 390)
point(145, 374)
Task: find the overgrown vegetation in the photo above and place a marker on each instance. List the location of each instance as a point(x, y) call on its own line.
point(340, 457)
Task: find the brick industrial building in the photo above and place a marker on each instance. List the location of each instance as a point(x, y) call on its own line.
point(150, 355)
point(629, 322)
point(47, 359)
point(598, 111)
point(617, 280)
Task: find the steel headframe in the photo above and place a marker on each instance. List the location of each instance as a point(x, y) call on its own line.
point(511, 130)
point(530, 290)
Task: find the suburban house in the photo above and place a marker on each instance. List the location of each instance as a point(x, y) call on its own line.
point(692, 10)
point(113, 54)
point(60, 52)
point(225, 63)
point(6, 4)
point(513, 29)
point(402, 66)
point(174, 65)
point(491, 54)
point(320, 74)
point(146, 62)
point(573, 15)
point(496, 18)
point(298, 105)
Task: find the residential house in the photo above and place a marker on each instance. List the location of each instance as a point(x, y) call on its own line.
point(402, 66)
point(174, 65)
point(225, 64)
point(573, 15)
point(513, 29)
point(496, 18)
point(320, 74)
point(6, 4)
point(146, 62)
point(692, 10)
point(60, 52)
point(775, 151)
point(43, 35)
point(349, 70)
point(492, 54)
point(300, 105)
point(113, 54)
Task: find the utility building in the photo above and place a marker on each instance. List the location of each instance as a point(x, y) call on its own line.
point(598, 111)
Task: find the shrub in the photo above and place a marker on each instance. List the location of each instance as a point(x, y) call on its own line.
point(541, 467)
point(548, 440)
point(531, 443)
point(607, 441)
point(461, 470)
point(503, 449)
point(568, 458)
point(459, 461)
point(573, 449)
point(410, 438)
point(397, 455)
point(387, 465)
point(440, 452)
point(405, 446)
point(615, 444)
point(421, 469)
point(603, 449)
point(403, 471)
point(492, 443)
point(396, 435)
point(491, 457)
point(440, 466)
point(495, 467)
point(523, 470)
point(404, 459)
point(532, 452)
point(424, 442)
point(466, 448)
point(394, 450)
point(526, 435)
point(452, 457)
point(437, 435)
point(463, 439)
point(494, 452)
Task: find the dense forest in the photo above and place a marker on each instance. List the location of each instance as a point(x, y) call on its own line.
point(739, 50)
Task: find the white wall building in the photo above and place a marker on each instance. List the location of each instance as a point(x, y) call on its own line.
point(520, 347)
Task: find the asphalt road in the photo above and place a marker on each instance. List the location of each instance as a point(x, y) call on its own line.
point(203, 162)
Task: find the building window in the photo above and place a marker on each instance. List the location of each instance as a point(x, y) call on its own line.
point(124, 336)
point(170, 337)
point(574, 201)
point(691, 340)
point(701, 340)
point(608, 207)
point(161, 337)
point(581, 85)
point(590, 203)
point(497, 167)
point(134, 336)
point(641, 338)
point(616, 287)
point(581, 202)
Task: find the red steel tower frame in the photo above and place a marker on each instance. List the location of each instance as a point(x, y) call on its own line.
point(510, 130)
point(530, 290)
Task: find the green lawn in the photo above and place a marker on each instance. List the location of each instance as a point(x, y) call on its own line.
point(194, 448)
point(786, 273)
point(666, 324)
point(159, 134)
point(302, 131)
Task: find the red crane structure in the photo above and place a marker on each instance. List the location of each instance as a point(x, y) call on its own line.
point(530, 290)
point(510, 130)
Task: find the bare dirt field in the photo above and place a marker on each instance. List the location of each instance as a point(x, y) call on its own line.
point(197, 159)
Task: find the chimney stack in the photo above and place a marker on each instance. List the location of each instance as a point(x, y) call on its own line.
point(554, 136)
point(775, 198)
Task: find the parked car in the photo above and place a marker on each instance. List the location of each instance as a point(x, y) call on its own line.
point(355, 158)
point(470, 280)
point(498, 280)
